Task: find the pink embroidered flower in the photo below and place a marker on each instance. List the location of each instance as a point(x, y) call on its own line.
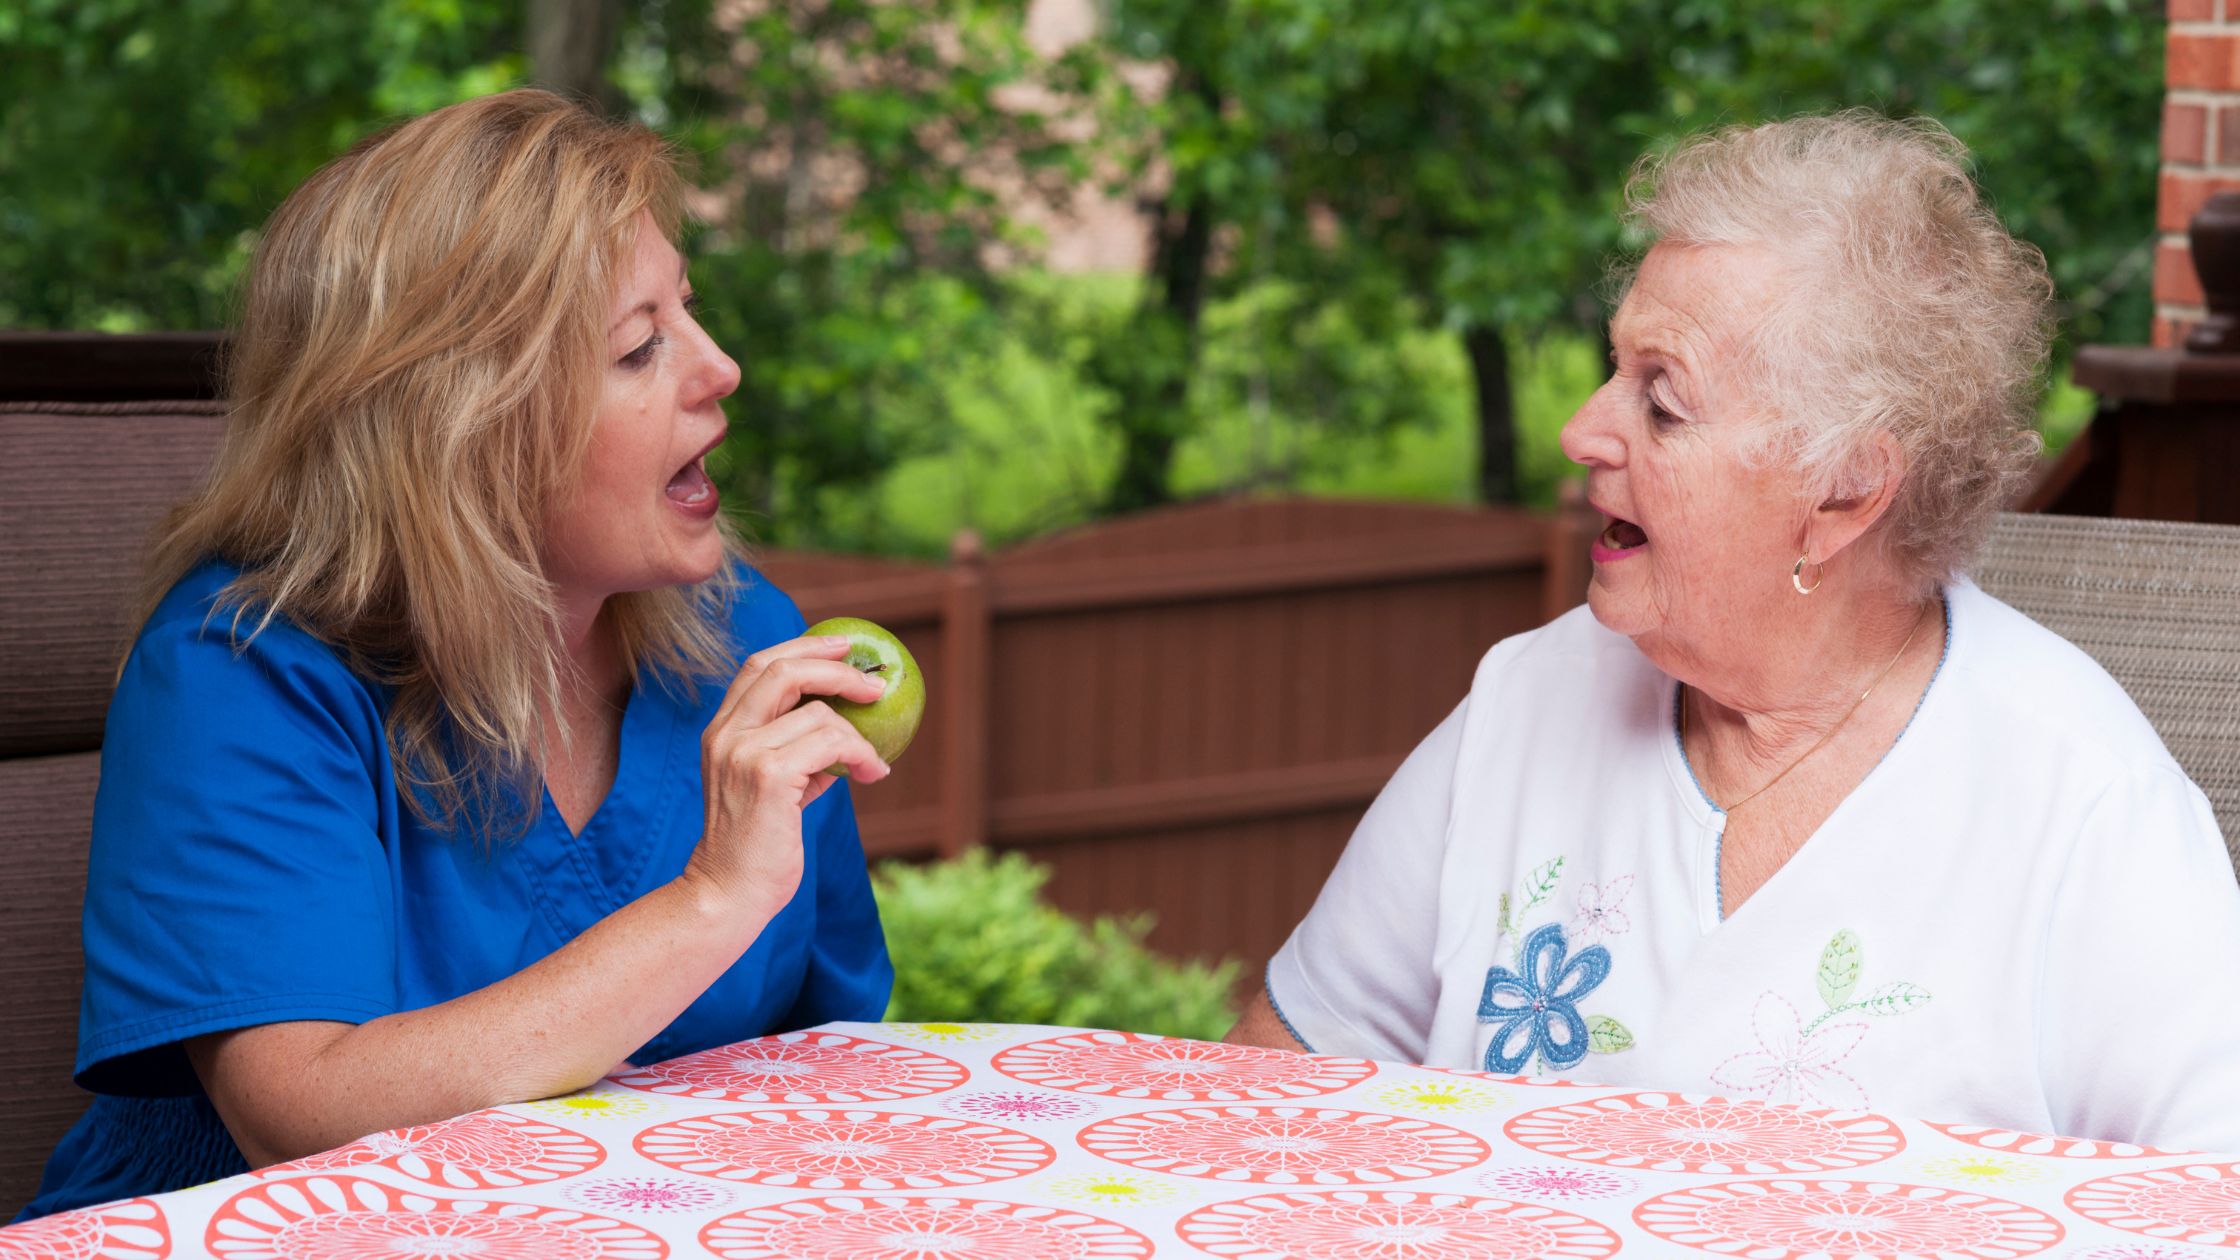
point(1602, 911)
point(1793, 1066)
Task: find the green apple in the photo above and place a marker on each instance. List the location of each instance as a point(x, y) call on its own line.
point(889, 721)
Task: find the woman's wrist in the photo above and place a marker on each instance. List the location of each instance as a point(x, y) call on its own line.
point(729, 899)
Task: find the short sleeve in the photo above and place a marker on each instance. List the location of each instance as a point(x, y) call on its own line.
point(1357, 976)
point(237, 875)
point(2141, 1012)
point(848, 975)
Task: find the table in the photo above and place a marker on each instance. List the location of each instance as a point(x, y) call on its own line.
point(894, 1141)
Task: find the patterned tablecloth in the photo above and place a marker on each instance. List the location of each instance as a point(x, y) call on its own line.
point(886, 1141)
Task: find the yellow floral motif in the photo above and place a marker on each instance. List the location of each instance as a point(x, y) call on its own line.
point(1441, 1096)
point(593, 1106)
point(1110, 1189)
point(944, 1032)
point(1982, 1169)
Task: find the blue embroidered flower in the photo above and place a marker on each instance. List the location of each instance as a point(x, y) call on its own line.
point(1538, 1011)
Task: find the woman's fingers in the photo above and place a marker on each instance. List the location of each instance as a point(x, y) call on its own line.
point(795, 746)
point(786, 683)
point(826, 647)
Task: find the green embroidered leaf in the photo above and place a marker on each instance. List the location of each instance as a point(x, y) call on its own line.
point(1839, 968)
point(1541, 883)
point(1501, 925)
point(1894, 998)
point(1607, 1036)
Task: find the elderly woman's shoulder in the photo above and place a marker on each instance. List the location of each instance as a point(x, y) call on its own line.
point(1570, 654)
point(2020, 674)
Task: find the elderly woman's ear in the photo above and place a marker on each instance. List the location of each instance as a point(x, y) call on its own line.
point(1875, 474)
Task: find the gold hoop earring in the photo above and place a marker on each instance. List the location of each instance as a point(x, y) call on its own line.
point(1796, 576)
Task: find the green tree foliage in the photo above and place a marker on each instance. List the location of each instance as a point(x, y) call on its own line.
point(142, 142)
point(1472, 156)
point(864, 162)
point(1331, 176)
point(972, 939)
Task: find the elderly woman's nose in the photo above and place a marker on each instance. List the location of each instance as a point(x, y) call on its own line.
point(1590, 437)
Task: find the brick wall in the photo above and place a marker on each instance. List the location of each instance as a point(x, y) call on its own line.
point(2200, 147)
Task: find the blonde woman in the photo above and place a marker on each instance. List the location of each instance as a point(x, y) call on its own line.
point(435, 779)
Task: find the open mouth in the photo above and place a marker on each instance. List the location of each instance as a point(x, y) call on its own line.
point(1621, 535)
point(691, 486)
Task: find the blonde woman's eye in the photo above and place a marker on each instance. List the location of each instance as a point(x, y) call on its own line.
point(643, 355)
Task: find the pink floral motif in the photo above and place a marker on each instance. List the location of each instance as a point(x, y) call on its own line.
point(1792, 1066)
point(2040, 1144)
point(919, 1229)
point(1393, 1225)
point(133, 1229)
point(1132, 1065)
point(1601, 911)
point(1783, 1220)
point(2198, 1203)
point(1686, 1133)
point(649, 1194)
point(844, 1150)
point(353, 1218)
point(1017, 1105)
point(1545, 1181)
point(1284, 1145)
point(2143, 1251)
point(800, 1068)
point(483, 1151)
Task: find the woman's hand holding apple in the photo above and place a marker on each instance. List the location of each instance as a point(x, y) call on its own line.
point(768, 752)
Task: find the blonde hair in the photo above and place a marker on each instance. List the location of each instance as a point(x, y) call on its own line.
point(412, 386)
point(1910, 310)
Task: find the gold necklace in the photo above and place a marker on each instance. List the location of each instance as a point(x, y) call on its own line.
point(1918, 622)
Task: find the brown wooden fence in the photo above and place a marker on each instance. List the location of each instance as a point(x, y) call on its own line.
point(1186, 712)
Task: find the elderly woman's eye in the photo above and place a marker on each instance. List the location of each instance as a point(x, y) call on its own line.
point(643, 355)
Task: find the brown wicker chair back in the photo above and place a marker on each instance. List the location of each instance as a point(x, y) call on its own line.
point(2157, 603)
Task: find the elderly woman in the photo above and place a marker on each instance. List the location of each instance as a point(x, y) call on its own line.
point(1791, 810)
point(434, 779)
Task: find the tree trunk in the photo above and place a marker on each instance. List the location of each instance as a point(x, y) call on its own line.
point(569, 42)
point(1497, 416)
point(1153, 403)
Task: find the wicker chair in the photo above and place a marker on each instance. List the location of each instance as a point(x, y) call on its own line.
point(2157, 603)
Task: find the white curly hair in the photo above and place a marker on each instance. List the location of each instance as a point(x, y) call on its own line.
point(1911, 311)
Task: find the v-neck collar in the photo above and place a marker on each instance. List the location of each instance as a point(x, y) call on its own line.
point(1711, 821)
point(606, 861)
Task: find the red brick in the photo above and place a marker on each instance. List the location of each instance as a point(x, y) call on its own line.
point(2228, 133)
point(2208, 61)
point(2169, 332)
point(2193, 10)
point(2185, 133)
point(2182, 193)
point(2174, 280)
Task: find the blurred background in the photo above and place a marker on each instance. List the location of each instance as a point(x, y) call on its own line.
point(1180, 377)
point(1012, 265)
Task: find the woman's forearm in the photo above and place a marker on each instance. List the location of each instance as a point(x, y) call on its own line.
point(293, 1089)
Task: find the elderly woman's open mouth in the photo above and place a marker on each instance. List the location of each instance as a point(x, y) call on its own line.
point(1618, 539)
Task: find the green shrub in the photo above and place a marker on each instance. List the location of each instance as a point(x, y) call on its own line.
point(973, 940)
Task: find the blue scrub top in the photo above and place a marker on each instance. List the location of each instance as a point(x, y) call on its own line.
point(252, 862)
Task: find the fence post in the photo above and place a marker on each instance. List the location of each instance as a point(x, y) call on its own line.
point(1570, 531)
point(963, 698)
